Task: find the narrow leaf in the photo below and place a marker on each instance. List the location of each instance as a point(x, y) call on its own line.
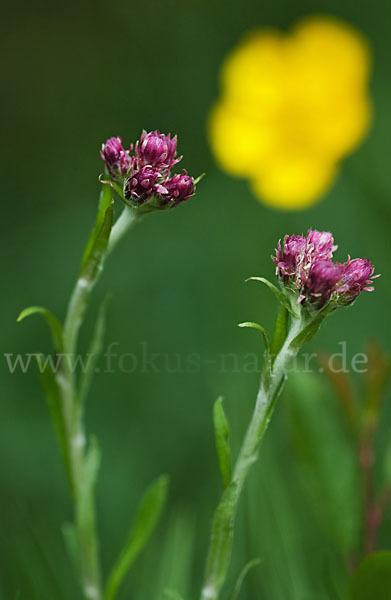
point(53, 398)
point(259, 328)
point(148, 514)
point(94, 351)
point(280, 331)
point(220, 546)
point(307, 333)
point(90, 473)
point(104, 203)
point(271, 406)
point(199, 178)
point(278, 293)
point(94, 259)
point(52, 321)
point(111, 184)
point(238, 586)
point(223, 449)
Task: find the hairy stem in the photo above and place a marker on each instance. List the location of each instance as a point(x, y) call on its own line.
point(125, 222)
point(223, 522)
point(82, 495)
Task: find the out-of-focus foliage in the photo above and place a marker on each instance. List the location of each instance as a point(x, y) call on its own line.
point(372, 578)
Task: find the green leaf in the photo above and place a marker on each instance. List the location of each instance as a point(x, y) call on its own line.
point(52, 321)
point(148, 514)
point(104, 203)
point(94, 351)
point(53, 398)
point(278, 294)
point(238, 586)
point(306, 334)
point(85, 514)
point(280, 331)
point(220, 546)
point(93, 260)
point(199, 178)
point(111, 184)
point(86, 509)
point(223, 449)
point(372, 579)
point(263, 331)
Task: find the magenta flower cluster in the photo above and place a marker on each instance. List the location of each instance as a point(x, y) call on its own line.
point(147, 172)
point(305, 264)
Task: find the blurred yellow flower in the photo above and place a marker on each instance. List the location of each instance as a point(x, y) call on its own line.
point(292, 106)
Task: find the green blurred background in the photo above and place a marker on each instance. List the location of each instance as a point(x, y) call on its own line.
point(73, 75)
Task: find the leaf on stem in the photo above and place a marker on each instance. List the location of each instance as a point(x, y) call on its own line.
point(90, 471)
point(148, 514)
point(278, 293)
point(270, 408)
point(94, 351)
point(111, 184)
point(92, 262)
point(53, 398)
point(223, 449)
point(306, 334)
point(199, 178)
point(104, 203)
point(52, 321)
point(263, 331)
point(220, 546)
point(280, 331)
point(238, 586)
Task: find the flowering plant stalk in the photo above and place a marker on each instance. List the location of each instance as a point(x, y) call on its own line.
point(144, 183)
point(311, 286)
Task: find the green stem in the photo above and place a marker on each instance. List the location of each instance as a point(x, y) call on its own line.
point(220, 547)
point(126, 220)
point(84, 507)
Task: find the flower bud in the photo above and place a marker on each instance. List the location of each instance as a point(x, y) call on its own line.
point(289, 258)
point(141, 185)
point(117, 159)
point(320, 245)
point(296, 256)
point(156, 150)
point(357, 277)
point(321, 282)
point(178, 188)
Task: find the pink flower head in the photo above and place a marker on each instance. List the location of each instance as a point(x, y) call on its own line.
point(141, 185)
point(305, 263)
point(178, 188)
point(321, 281)
point(117, 159)
point(156, 150)
point(298, 254)
point(357, 277)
